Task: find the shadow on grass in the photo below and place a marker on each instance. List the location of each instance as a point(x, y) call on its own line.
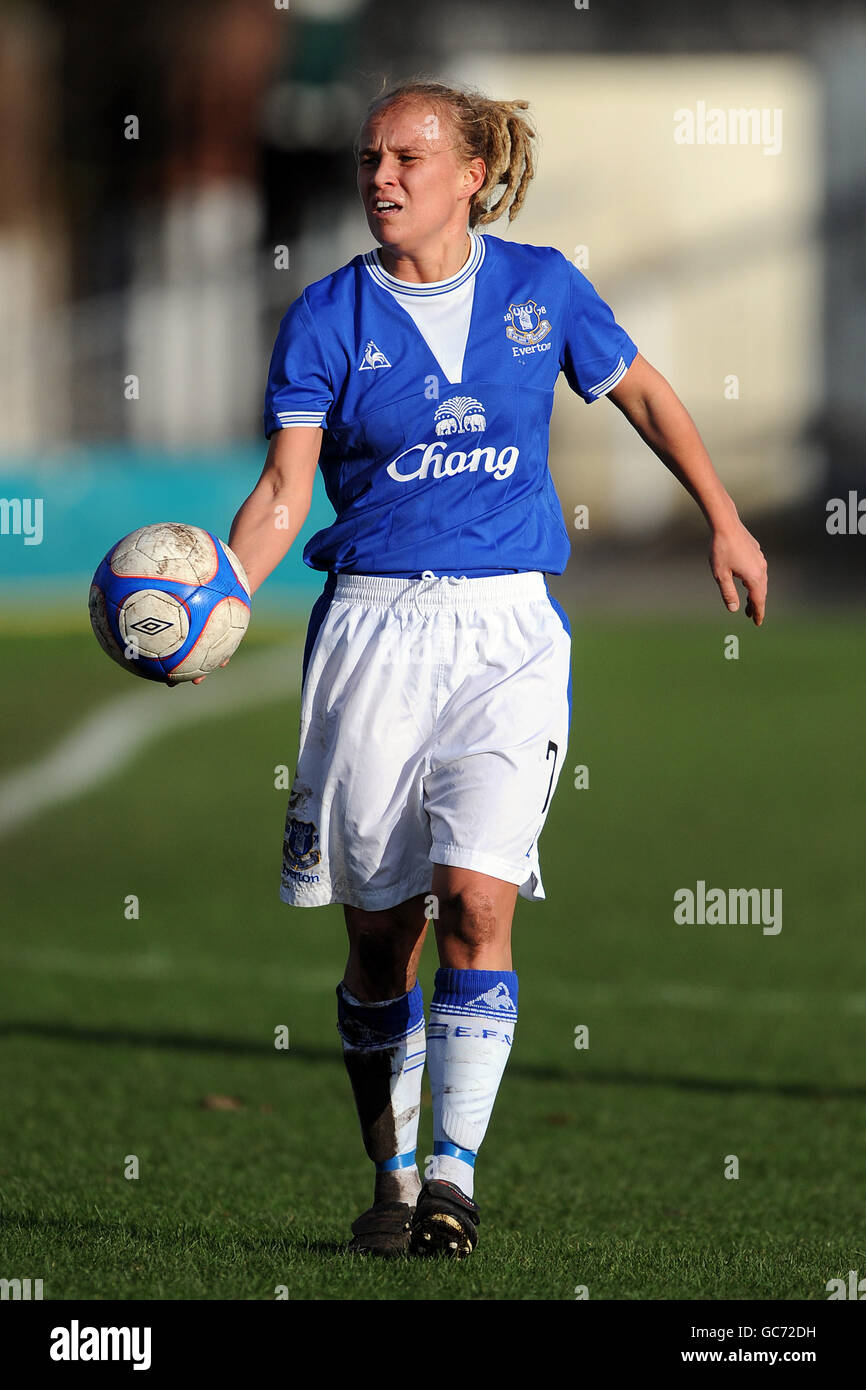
point(332, 1057)
point(194, 1236)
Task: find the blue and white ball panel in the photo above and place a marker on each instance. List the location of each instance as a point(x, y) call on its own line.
point(170, 602)
point(434, 727)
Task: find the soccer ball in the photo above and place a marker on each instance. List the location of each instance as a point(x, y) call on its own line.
point(170, 602)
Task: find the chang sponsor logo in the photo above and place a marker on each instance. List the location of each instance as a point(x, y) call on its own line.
point(459, 415)
point(446, 465)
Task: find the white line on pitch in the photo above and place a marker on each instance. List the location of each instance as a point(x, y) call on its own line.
point(114, 733)
point(682, 994)
point(656, 994)
point(156, 964)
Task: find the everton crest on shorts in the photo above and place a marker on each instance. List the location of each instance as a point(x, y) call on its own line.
point(300, 849)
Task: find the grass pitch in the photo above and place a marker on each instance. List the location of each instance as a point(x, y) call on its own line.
point(604, 1166)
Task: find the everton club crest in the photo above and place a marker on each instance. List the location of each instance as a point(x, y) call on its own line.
point(526, 323)
point(300, 845)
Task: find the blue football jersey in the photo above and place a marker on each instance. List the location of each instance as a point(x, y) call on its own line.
point(425, 472)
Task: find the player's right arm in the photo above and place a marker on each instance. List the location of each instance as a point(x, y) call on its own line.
point(268, 522)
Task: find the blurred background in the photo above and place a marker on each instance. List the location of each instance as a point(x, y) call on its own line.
point(173, 176)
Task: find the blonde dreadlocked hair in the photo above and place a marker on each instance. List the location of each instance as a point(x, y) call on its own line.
point(495, 131)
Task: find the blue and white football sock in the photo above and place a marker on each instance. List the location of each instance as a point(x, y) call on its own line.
point(472, 1018)
point(384, 1051)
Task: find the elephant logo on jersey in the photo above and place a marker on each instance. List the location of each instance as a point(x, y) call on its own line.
point(525, 323)
point(300, 845)
point(460, 414)
point(373, 357)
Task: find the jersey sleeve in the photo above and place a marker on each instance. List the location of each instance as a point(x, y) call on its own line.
point(596, 353)
point(299, 390)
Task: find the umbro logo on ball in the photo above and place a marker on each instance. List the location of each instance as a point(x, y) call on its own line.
point(149, 626)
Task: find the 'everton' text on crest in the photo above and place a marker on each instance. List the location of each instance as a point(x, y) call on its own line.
point(527, 327)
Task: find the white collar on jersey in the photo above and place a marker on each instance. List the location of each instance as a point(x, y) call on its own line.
point(390, 282)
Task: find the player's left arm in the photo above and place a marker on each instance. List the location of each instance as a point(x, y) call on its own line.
point(652, 407)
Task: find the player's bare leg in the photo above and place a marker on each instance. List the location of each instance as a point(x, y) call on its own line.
point(381, 1021)
point(384, 949)
point(472, 1018)
point(473, 929)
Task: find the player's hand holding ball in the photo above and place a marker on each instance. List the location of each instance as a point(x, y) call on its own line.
point(170, 602)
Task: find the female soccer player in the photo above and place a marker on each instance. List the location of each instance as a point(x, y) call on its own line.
point(436, 675)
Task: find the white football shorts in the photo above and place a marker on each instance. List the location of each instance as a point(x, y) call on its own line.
point(435, 716)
